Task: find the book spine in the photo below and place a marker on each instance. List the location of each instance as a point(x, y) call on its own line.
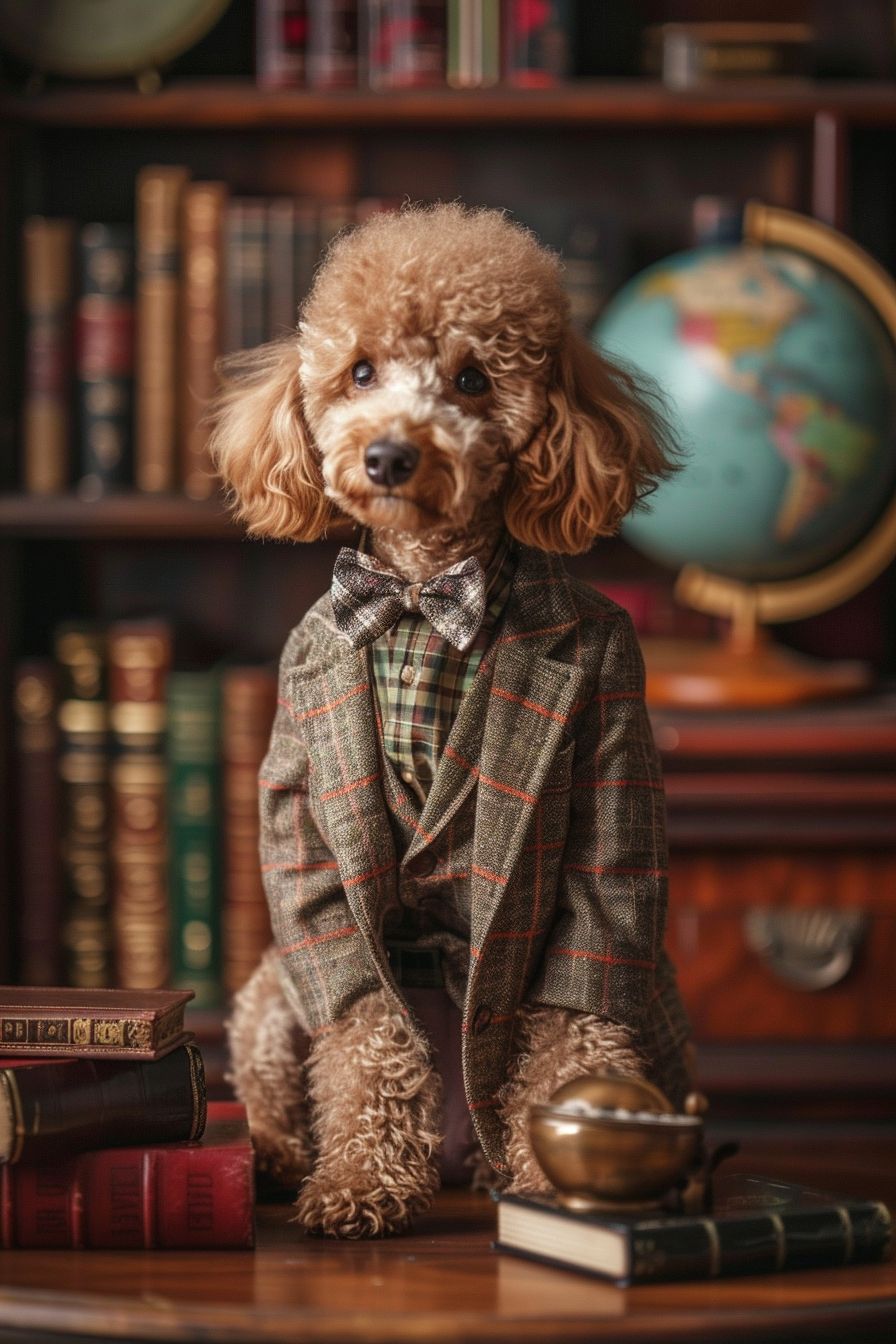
point(281, 39)
point(763, 1243)
point(281, 259)
point(37, 797)
point(73, 1105)
point(80, 651)
point(132, 1199)
point(306, 245)
point(202, 318)
point(537, 43)
point(407, 43)
point(193, 811)
point(105, 358)
point(333, 44)
point(48, 246)
point(248, 701)
point(139, 661)
point(246, 261)
point(158, 208)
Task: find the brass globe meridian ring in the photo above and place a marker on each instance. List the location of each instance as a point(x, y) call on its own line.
point(794, 599)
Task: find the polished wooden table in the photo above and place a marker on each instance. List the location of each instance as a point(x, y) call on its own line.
point(445, 1283)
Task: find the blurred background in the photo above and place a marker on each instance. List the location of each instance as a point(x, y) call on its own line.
point(718, 178)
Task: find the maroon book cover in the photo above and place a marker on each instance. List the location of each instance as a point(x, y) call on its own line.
point(281, 41)
point(333, 44)
point(162, 1196)
point(407, 43)
point(40, 905)
point(536, 42)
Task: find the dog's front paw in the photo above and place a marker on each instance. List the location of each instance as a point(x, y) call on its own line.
point(341, 1209)
point(285, 1157)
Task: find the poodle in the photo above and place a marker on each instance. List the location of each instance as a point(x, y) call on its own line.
point(436, 394)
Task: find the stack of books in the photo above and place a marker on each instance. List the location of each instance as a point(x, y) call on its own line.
point(148, 774)
point(414, 44)
point(106, 1139)
point(125, 323)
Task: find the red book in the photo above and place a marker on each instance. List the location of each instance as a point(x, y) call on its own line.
point(163, 1196)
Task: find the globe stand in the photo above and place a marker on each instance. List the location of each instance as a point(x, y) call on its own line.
point(743, 671)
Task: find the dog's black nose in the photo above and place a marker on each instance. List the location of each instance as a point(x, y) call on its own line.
point(390, 463)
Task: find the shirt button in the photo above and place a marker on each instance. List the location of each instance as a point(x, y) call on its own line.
point(408, 776)
point(408, 674)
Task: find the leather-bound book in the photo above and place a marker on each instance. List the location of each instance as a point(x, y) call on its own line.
point(202, 317)
point(158, 210)
point(49, 1111)
point(80, 651)
point(333, 44)
point(194, 834)
point(246, 265)
point(48, 250)
point(91, 1023)
point(407, 44)
point(35, 692)
point(282, 299)
point(168, 1196)
point(139, 662)
point(104, 358)
point(248, 702)
point(281, 37)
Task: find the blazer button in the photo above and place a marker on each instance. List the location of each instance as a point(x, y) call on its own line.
point(422, 865)
point(482, 1019)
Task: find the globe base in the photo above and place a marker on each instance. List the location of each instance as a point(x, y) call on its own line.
point(706, 674)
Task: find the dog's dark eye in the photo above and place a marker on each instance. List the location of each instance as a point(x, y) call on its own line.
point(472, 382)
point(363, 373)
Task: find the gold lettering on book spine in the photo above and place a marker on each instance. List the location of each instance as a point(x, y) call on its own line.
point(138, 1034)
point(109, 1033)
point(81, 1030)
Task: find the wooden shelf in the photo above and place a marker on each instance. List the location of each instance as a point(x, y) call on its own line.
point(126, 515)
point(219, 105)
point(133, 516)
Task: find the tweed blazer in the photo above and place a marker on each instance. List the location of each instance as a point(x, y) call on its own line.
point(551, 762)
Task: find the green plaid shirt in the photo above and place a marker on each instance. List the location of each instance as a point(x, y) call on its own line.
point(420, 679)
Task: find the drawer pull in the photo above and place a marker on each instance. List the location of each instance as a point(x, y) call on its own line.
point(807, 949)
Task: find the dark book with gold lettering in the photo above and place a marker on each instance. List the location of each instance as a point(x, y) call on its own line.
point(165, 1196)
point(757, 1226)
point(50, 1110)
point(92, 1023)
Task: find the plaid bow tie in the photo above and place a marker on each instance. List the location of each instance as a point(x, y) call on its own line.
point(368, 599)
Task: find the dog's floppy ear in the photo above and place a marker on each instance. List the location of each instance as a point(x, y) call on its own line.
point(261, 445)
point(602, 447)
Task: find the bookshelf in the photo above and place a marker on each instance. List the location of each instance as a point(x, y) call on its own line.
point(825, 149)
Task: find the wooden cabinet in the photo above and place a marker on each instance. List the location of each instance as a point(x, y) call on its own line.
point(782, 918)
point(745, 839)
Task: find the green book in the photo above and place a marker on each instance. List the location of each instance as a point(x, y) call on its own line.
point(194, 840)
point(757, 1226)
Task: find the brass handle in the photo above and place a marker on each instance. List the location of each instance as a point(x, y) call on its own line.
point(807, 949)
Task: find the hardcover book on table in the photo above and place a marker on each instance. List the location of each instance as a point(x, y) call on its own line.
point(162, 1196)
point(92, 1023)
point(50, 1110)
point(758, 1226)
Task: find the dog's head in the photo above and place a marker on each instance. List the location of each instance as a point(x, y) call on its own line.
point(435, 377)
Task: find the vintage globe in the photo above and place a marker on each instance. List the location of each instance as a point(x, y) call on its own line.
point(778, 363)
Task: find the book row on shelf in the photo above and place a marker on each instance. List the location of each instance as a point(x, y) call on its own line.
point(125, 323)
point(148, 775)
point(398, 44)
point(106, 1137)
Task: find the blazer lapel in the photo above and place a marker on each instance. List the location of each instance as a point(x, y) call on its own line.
point(530, 702)
point(333, 703)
